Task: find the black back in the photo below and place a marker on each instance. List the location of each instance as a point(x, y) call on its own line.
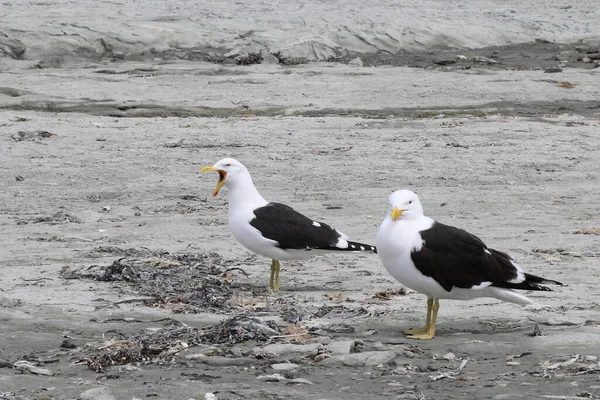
point(456, 258)
point(291, 229)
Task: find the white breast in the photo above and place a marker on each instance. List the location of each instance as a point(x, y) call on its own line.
point(395, 242)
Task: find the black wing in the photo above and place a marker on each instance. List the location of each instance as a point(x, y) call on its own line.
point(293, 230)
point(456, 258)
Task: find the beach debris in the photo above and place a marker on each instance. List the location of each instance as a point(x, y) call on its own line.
point(484, 60)
point(250, 58)
point(32, 135)
point(296, 381)
point(58, 218)
point(23, 365)
point(451, 374)
point(184, 283)
point(98, 393)
point(364, 359)
point(339, 311)
point(239, 329)
point(291, 313)
point(565, 84)
point(284, 367)
point(145, 348)
point(271, 378)
point(572, 365)
point(389, 293)
point(286, 351)
point(587, 231)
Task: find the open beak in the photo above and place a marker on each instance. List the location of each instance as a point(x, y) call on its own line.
point(222, 177)
point(396, 213)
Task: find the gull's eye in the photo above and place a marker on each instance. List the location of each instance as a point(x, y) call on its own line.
point(410, 202)
point(228, 165)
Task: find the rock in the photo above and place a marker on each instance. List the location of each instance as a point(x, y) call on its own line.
point(366, 359)
point(552, 70)
point(284, 367)
point(449, 356)
point(357, 62)
point(195, 356)
point(12, 48)
point(586, 60)
point(444, 61)
point(461, 57)
point(407, 396)
point(484, 60)
point(432, 367)
point(51, 62)
point(5, 364)
point(27, 366)
point(228, 61)
point(210, 396)
point(68, 344)
point(286, 350)
point(513, 363)
point(341, 347)
point(269, 58)
point(591, 359)
point(300, 381)
point(236, 352)
point(219, 361)
point(271, 378)
point(99, 393)
point(582, 48)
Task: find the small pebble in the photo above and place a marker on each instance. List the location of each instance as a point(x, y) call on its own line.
point(68, 344)
point(512, 363)
point(449, 356)
point(300, 381)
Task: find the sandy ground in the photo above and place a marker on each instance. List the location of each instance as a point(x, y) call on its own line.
point(101, 157)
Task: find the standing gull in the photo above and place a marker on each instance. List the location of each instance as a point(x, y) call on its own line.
point(274, 230)
point(444, 262)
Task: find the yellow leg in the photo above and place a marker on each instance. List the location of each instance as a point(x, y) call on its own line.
point(427, 321)
point(274, 281)
point(430, 333)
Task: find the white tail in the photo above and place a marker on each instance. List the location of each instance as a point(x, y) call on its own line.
point(508, 295)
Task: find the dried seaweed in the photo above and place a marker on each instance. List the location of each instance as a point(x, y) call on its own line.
point(251, 58)
point(239, 329)
point(185, 283)
point(146, 348)
point(339, 311)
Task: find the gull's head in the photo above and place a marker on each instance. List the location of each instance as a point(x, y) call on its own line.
point(405, 205)
point(229, 171)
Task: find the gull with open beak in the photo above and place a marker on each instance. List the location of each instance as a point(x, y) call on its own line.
point(274, 230)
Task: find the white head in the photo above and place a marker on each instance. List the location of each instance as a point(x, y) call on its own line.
point(405, 205)
point(231, 172)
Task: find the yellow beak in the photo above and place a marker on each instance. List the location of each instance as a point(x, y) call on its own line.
point(396, 213)
point(222, 177)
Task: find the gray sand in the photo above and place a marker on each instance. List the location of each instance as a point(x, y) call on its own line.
point(508, 154)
